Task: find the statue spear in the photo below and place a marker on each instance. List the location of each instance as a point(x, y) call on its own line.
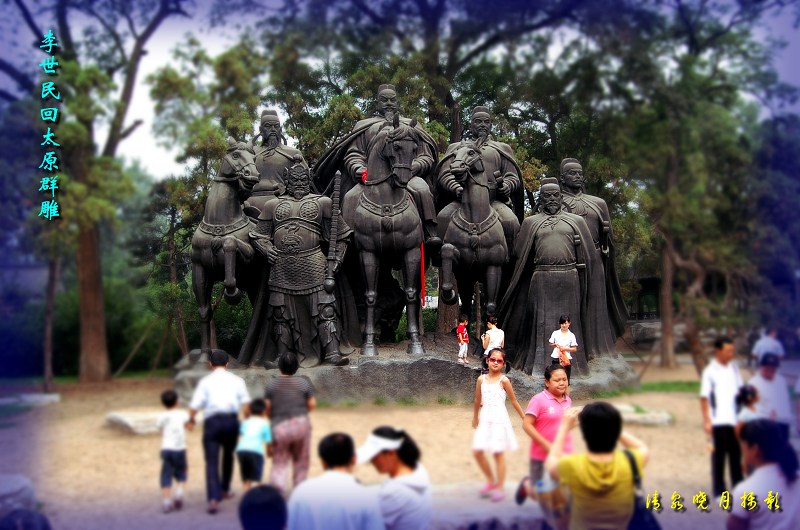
point(334, 233)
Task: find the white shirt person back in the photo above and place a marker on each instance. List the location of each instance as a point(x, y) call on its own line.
point(220, 392)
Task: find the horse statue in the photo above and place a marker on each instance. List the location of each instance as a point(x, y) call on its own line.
point(221, 249)
point(474, 245)
point(387, 227)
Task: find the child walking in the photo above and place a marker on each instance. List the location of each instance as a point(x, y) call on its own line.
point(564, 343)
point(254, 434)
point(493, 430)
point(172, 425)
point(462, 335)
point(542, 418)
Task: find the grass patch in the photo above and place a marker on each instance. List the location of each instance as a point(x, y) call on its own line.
point(350, 403)
point(653, 386)
point(671, 386)
point(638, 409)
point(407, 402)
point(322, 404)
point(607, 394)
point(444, 400)
point(379, 401)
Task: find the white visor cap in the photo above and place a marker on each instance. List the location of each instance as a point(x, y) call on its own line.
point(374, 445)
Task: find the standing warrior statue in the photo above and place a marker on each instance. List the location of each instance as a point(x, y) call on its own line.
point(552, 276)
point(301, 307)
point(607, 294)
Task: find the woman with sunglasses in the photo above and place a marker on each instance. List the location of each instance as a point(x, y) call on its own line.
point(493, 430)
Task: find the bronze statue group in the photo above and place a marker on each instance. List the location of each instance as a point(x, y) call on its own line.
point(314, 248)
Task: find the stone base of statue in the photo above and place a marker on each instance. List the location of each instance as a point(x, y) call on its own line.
point(394, 376)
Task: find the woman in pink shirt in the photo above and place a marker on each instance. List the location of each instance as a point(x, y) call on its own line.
point(542, 418)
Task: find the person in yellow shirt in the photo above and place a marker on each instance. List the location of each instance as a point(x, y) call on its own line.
point(600, 480)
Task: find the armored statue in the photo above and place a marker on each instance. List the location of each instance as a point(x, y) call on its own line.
point(273, 157)
point(553, 276)
point(504, 181)
point(607, 298)
point(292, 233)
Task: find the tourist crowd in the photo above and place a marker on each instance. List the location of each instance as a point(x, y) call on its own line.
point(748, 428)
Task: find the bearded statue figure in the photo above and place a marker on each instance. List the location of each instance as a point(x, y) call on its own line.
point(294, 233)
point(273, 158)
point(607, 306)
point(552, 277)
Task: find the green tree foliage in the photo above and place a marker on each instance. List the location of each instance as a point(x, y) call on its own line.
point(774, 242)
point(688, 143)
point(333, 54)
point(201, 101)
point(100, 48)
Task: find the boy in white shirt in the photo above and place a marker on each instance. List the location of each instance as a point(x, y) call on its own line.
point(173, 451)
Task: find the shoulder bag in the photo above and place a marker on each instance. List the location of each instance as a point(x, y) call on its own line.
point(643, 518)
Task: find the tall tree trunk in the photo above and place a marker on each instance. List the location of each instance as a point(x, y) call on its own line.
point(668, 359)
point(94, 364)
point(53, 276)
point(692, 335)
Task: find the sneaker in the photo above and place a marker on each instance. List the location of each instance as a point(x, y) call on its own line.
point(522, 491)
point(228, 495)
point(498, 496)
point(486, 490)
point(213, 507)
point(178, 502)
point(167, 506)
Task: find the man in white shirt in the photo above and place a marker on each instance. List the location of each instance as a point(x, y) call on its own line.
point(335, 500)
point(220, 395)
point(768, 343)
point(719, 385)
point(774, 401)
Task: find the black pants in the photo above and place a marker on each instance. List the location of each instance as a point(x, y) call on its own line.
point(220, 431)
point(725, 445)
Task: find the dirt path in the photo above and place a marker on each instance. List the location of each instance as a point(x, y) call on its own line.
point(91, 476)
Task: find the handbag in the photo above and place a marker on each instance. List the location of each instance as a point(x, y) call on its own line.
point(563, 360)
point(643, 518)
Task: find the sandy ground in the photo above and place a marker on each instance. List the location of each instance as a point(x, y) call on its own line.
point(91, 476)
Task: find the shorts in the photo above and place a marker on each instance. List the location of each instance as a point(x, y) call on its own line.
point(173, 465)
point(251, 465)
point(462, 349)
point(536, 472)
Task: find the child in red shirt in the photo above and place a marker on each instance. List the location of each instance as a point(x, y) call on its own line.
point(463, 339)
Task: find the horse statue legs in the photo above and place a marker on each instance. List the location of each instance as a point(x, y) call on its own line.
point(221, 248)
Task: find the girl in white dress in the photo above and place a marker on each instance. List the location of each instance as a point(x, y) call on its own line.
point(493, 430)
